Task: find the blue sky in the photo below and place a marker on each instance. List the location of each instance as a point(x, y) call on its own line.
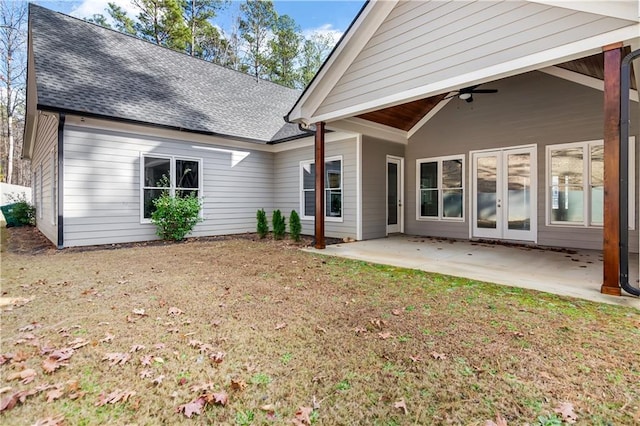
point(331, 17)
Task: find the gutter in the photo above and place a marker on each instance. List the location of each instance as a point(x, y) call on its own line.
point(61, 119)
point(625, 78)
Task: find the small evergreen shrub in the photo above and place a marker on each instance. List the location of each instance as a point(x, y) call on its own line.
point(279, 225)
point(175, 217)
point(22, 211)
point(263, 225)
point(294, 226)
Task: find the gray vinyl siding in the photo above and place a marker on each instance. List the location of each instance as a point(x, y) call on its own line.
point(45, 195)
point(287, 182)
point(422, 43)
point(533, 108)
point(374, 177)
point(102, 186)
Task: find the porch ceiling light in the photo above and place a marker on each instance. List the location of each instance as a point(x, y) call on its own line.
point(465, 96)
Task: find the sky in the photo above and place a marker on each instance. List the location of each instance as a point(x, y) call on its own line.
point(325, 16)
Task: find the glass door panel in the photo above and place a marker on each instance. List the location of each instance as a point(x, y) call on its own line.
point(487, 192)
point(392, 193)
point(519, 191)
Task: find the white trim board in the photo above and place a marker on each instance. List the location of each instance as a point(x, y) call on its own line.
point(582, 79)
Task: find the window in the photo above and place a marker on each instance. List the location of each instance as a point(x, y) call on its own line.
point(440, 188)
point(576, 183)
point(179, 176)
point(332, 189)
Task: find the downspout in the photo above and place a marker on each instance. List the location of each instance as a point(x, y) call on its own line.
point(625, 78)
point(61, 119)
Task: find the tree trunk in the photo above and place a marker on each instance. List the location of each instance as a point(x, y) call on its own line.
point(10, 149)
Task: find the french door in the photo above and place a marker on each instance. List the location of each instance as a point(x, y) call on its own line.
point(395, 188)
point(504, 194)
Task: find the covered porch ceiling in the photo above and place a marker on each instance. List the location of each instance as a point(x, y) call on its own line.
point(406, 116)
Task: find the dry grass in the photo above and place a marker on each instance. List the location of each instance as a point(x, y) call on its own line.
point(358, 339)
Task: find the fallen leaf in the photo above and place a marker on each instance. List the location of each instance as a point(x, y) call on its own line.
point(499, 421)
point(191, 408)
point(437, 355)
point(402, 405)
point(281, 326)
point(77, 343)
point(302, 415)
point(220, 398)
point(49, 365)
point(158, 380)
point(195, 343)
point(114, 397)
point(145, 374)
point(158, 360)
point(175, 311)
point(117, 358)
point(565, 409)
point(217, 357)
point(416, 358)
point(5, 389)
point(397, 312)
point(385, 336)
point(139, 311)
point(268, 408)
point(50, 421)
point(108, 338)
point(238, 385)
point(378, 323)
point(321, 329)
point(159, 346)
point(54, 394)
point(146, 359)
point(136, 348)
point(30, 327)
point(202, 387)
point(62, 354)
point(25, 376)
point(360, 330)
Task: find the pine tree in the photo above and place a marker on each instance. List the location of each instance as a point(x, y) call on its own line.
point(257, 20)
point(284, 51)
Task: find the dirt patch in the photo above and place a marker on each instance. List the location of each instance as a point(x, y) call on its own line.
point(141, 333)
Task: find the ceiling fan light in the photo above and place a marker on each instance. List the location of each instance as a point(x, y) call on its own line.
point(464, 96)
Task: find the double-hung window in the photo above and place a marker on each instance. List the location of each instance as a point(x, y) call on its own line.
point(440, 187)
point(576, 183)
point(332, 188)
point(180, 177)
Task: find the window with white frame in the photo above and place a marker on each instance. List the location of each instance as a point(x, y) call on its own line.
point(332, 188)
point(179, 177)
point(440, 187)
point(576, 183)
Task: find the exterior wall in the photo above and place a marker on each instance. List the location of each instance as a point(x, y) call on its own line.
point(532, 108)
point(102, 184)
point(374, 177)
point(287, 184)
point(44, 170)
point(422, 44)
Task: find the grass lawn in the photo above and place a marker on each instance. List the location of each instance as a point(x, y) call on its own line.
point(243, 332)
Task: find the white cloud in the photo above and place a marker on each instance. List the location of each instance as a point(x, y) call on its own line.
point(325, 30)
point(88, 8)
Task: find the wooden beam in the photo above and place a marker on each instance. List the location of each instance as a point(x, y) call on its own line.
point(319, 187)
point(611, 229)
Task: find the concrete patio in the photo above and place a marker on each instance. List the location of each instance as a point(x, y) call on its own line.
point(576, 273)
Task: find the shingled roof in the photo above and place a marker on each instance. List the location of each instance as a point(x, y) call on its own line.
point(84, 68)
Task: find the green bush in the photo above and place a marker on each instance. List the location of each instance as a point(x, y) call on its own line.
point(175, 217)
point(263, 225)
point(279, 225)
point(294, 226)
point(22, 211)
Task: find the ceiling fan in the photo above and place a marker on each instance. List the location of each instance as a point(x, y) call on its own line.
point(466, 93)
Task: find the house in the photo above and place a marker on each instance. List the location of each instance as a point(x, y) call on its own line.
point(459, 119)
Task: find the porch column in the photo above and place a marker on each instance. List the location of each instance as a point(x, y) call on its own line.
point(611, 228)
point(319, 187)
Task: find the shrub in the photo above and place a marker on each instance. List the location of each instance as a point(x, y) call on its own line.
point(279, 225)
point(175, 217)
point(263, 225)
point(22, 211)
point(294, 226)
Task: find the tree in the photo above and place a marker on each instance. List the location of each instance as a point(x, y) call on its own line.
point(255, 25)
point(13, 17)
point(161, 22)
point(198, 15)
point(98, 19)
point(283, 51)
point(123, 23)
point(314, 51)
